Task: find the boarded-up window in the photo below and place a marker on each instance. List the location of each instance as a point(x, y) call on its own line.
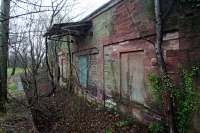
point(83, 70)
point(88, 72)
point(132, 76)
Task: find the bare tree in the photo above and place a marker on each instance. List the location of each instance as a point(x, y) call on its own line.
point(16, 38)
point(54, 71)
point(34, 48)
point(161, 63)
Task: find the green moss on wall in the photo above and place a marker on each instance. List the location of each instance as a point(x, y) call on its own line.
point(102, 27)
point(149, 8)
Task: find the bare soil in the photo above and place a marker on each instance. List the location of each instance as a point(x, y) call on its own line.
point(18, 118)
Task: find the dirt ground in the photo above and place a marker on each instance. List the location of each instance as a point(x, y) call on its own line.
point(64, 113)
point(18, 118)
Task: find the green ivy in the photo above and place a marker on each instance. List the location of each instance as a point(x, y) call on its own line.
point(186, 97)
point(108, 130)
point(156, 127)
point(155, 84)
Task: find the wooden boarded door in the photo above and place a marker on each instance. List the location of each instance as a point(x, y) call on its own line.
point(83, 70)
point(132, 76)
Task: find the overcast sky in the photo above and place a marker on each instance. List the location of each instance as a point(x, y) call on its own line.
point(88, 6)
point(83, 7)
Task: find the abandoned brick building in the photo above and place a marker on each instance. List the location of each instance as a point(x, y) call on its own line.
point(113, 51)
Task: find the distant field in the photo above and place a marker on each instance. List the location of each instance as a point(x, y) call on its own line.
point(17, 71)
point(12, 87)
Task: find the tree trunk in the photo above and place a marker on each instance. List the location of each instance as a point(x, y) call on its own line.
point(159, 38)
point(4, 36)
point(14, 64)
point(13, 69)
point(70, 79)
point(162, 65)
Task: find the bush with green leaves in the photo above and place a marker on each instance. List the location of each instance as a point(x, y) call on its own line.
point(186, 96)
point(186, 99)
point(156, 127)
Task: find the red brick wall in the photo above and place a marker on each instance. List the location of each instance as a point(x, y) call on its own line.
point(178, 47)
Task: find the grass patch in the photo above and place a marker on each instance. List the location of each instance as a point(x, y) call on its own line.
point(12, 87)
point(18, 70)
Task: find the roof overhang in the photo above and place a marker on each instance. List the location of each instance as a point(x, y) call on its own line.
point(74, 29)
